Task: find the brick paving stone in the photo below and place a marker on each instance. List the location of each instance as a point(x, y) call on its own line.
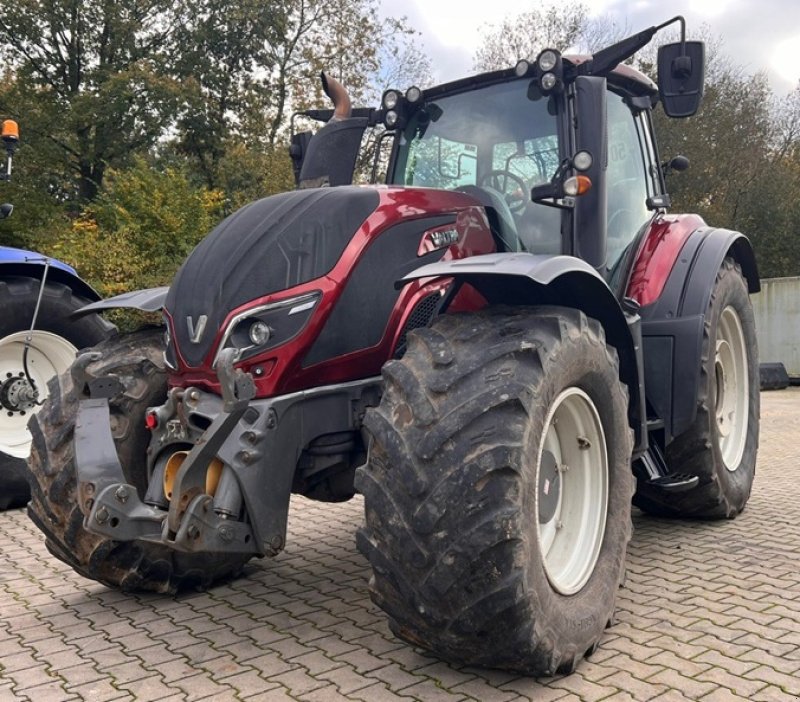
point(772, 693)
point(271, 694)
point(672, 696)
point(316, 662)
point(735, 666)
point(641, 690)
point(150, 688)
point(430, 691)
point(326, 694)
point(723, 695)
point(298, 681)
point(396, 677)
point(742, 686)
point(788, 683)
point(694, 687)
point(532, 689)
point(378, 692)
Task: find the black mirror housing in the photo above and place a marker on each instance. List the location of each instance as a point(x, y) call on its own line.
point(681, 76)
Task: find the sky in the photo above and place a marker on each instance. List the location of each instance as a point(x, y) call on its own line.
point(763, 35)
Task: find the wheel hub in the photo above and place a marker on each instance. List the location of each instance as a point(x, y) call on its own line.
point(549, 487)
point(17, 395)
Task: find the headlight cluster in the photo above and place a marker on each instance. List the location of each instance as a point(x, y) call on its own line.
point(261, 328)
point(549, 71)
point(397, 107)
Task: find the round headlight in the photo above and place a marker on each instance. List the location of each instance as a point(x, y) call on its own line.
point(390, 119)
point(259, 333)
point(548, 81)
point(390, 99)
point(582, 161)
point(547, 60)
point(522, 68)
point(413, 94)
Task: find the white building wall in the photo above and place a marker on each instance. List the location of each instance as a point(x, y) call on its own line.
point(777, 311)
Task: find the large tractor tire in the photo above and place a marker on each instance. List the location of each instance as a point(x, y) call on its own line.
point(498, 489)
point(721, 445)
point(53, 346)
point(137, 361)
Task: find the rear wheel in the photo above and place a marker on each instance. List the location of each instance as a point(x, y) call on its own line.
point(136, 360)
point(52, 349)
point(497, 489)
point(721, 445)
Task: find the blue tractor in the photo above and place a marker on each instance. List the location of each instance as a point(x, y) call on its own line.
point(37, 339)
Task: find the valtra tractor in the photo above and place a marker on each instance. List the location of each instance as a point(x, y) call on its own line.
point(37, 338)
point(498, 348)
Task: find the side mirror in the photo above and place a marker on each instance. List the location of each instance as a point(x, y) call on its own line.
point(681, 75)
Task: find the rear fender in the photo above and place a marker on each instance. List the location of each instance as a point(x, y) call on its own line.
point(672, 325)
point(529, 279)
point(31, 265)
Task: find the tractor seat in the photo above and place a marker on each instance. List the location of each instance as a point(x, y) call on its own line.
point(501, 221)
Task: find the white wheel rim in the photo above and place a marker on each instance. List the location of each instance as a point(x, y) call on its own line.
point(49, 354)
point(732, 392)
point(570, 538)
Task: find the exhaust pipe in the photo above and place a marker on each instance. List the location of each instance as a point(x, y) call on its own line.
point(342, 108)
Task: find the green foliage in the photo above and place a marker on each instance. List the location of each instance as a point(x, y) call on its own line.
point(137, 233)
point(745, 171)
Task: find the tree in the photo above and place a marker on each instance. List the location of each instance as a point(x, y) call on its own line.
point(526, 34)
point(224, 65)
point(351, 42)
point(95, 69)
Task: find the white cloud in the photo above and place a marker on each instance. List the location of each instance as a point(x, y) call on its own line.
point(786, 59)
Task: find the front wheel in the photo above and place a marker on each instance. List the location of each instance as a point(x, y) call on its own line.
point(497, 489)
point(52, 349)
point(137, 361)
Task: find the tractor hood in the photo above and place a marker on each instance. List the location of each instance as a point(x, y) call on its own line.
point(270, 245)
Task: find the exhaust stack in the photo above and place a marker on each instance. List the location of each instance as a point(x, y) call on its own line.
point(342, 108)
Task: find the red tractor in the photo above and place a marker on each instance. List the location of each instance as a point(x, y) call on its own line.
point(498, 348)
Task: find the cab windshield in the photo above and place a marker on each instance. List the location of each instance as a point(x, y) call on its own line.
point(495, 143)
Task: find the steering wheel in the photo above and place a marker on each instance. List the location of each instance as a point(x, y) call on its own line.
point(516, 195)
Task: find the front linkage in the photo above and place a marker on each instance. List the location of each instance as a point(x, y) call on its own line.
point(237, 443)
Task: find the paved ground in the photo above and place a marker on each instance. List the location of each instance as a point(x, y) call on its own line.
point(710, 611)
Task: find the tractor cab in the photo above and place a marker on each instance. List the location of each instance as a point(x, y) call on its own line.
point(572, 169)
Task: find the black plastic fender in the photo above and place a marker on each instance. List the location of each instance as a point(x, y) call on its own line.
point(148, 300)
point(55, 273)
point(531, 279)
point(672, 326)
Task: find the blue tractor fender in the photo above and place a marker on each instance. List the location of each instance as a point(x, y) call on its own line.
point(29, 264)
point(531, 279)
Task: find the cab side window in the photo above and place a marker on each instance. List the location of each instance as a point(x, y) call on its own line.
point(628, 178)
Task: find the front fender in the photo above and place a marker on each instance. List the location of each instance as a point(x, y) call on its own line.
point(531, 279)
point(149, 300)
